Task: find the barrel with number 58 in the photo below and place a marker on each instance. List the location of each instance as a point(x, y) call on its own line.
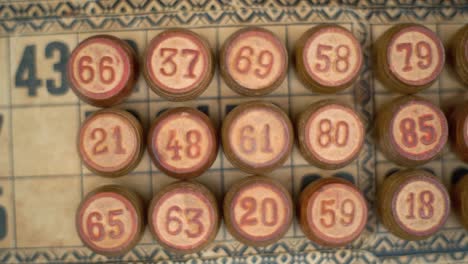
point(408, 58)
point(328, 58)
point(413, 204)
point(332, 212)
point(184, 217)
point(411, 131)
point(102, 70)
point(110, 220)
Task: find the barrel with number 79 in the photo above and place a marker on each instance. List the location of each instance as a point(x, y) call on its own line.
point(411, 131)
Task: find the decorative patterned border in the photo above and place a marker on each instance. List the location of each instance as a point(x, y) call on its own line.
point(42, 17)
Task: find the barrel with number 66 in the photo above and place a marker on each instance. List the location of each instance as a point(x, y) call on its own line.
point(110, 220)
point(411, 131)
point(413, 204)
point(102, 70)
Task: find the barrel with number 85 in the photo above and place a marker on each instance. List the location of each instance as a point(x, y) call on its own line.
point(110, 220)
point(411, 131)
point(184, 217)
point(413, 204)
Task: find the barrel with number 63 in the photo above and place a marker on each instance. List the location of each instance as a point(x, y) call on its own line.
point(184, 217)
point(411, 131)
point(413, 204)
point(110, 220)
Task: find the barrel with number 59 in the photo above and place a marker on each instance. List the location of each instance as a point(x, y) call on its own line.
point(110, 220)
point(411, 131)
point(102, 70)
point(408, 58)
point(413, 204)
point(332, 212)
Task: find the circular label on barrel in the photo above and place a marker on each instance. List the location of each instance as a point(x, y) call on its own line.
point(421, 206)
point(99, 68)
point(107, 222)
point(261, 211)
point(337, 213)
point(334, 134)
point(332, 56)
point(418, 130)
point(255, 59)
point(177, 61)
point(108, 142)
point(415, 55)
point(184, 218)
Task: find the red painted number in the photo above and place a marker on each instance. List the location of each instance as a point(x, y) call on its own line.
point(192, 139)
point(100, 135)
point(248, 139)
point(329, 209)
point(264, 62)
point(170, 66)
point(86, 70)
point(175, 225)
point(95, 226)
point(426, 205)
point(340, 64)
point(268, 211)
point(409, 134)
point(329, 134)
point(423, 53)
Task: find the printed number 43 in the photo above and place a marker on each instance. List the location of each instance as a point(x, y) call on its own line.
point(26, 74)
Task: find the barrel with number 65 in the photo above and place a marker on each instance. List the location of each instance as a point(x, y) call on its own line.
point(328, 58)
point(408, 58)
point(411, 131)
point(332, 212)
point(184, 217)
point(102, 70)
point(413, 204)
point(110, 220)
